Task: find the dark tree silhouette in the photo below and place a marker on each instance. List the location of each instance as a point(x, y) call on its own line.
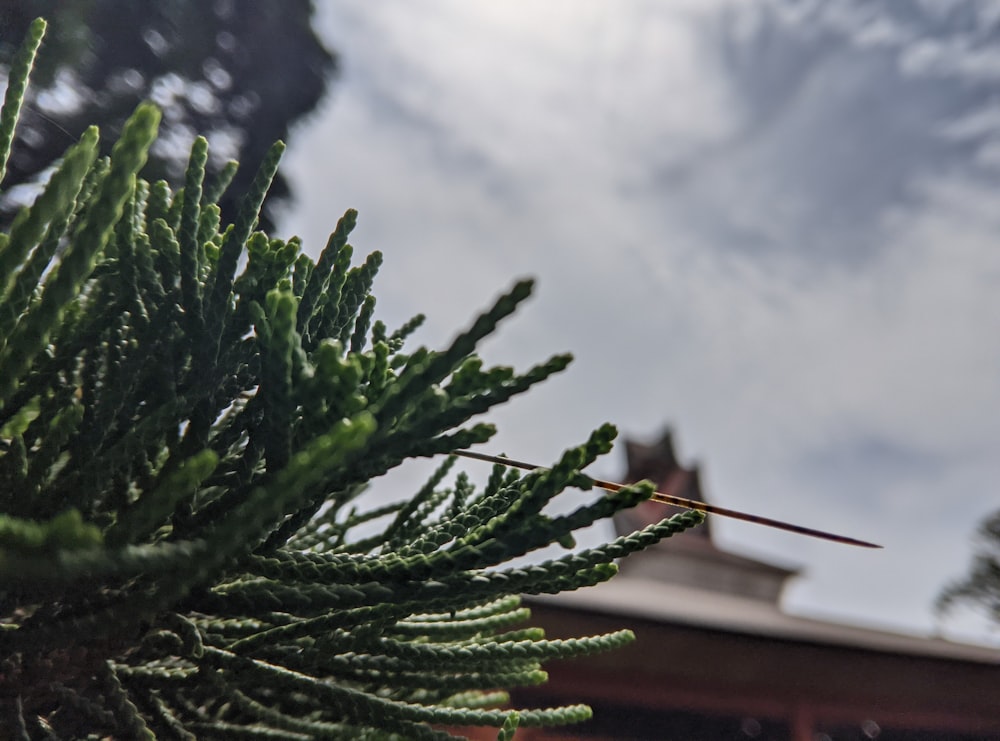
point(240, 73)
point(981, 586)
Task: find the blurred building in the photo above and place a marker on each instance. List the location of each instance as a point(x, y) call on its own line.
point(717, 658)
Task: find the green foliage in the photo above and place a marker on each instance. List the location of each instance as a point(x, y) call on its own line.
point(184, 444)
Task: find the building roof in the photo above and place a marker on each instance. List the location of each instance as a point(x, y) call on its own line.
point(685, 605)
point(691, 557)
point(688, 580)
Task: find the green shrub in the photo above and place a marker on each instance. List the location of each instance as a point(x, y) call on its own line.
point(185, 437)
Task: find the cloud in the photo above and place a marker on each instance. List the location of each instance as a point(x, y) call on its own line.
point(770, 225)
point(844, 108)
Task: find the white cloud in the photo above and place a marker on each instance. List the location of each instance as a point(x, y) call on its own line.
point(798, 287)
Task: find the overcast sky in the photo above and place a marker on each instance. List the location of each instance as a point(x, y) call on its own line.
point(774, 231)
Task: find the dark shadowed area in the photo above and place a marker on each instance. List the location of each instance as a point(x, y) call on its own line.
point(220, 69)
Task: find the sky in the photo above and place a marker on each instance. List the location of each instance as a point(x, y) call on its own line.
point(768, 226)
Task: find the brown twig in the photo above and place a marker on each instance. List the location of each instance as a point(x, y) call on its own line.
point(688, 503)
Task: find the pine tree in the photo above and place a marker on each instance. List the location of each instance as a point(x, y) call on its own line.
point(189, 415)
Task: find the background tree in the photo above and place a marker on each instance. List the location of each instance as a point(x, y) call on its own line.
point(239, 73)
point(981, 587)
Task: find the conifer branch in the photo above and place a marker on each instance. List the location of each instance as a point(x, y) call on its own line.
point(187, 548)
